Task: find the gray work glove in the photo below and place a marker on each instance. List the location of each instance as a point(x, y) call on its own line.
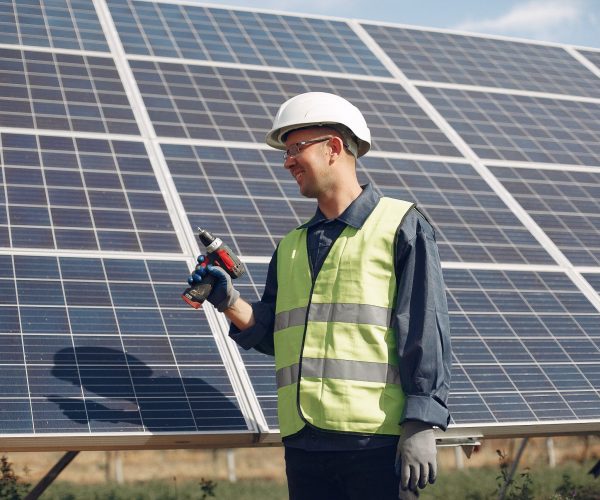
point(223, 295)
point(408, 495)
point(416, 456)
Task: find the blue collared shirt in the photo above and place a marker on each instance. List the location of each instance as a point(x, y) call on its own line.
point(420, 320)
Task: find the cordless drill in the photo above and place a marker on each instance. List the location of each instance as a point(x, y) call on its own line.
point(217, 254)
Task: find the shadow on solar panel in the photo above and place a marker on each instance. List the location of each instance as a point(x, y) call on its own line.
point(121, 393)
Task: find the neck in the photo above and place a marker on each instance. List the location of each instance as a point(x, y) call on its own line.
point(334, 202)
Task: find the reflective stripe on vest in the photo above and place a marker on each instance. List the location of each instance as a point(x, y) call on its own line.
point(339, 313)
point(340, 369)
point(335, 352)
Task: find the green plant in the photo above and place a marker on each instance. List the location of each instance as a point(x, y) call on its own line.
point(514, 489)
point(207, 487)
point(523, 489)
point(10, 486)
point(568, 490)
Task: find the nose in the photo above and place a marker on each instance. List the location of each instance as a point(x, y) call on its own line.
point(289, 162)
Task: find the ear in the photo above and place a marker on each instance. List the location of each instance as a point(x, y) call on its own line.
point(336, 145)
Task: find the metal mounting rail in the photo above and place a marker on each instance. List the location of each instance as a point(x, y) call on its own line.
point(52, 474)
point(513, 469)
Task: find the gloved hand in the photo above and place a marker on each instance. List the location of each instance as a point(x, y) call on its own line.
point(416, 456)
point(408, 495)
point(223, 295)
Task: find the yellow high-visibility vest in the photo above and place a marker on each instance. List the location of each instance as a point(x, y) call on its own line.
point(335, 353)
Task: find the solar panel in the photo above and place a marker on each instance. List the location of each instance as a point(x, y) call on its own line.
point(525, 347)
point(63, 91)
point(472, 222)
point(82, 194)
point(522, 128)
point(124, 124)
point(244, 194)
point(196, 32)
point(105, 345)
point(259, 367)
point(248, 196)
point(60, 24)
point(212, 103)
point(482, 61)
point(565, 204)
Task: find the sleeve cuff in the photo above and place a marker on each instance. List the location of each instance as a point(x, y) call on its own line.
point(247, 338)
point(255, 336)
point(426, 409)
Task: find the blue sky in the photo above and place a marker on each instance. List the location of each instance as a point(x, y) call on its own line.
point(574, 22)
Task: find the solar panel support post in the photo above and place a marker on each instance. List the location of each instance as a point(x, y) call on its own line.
point(52, 474)
point(458, 456)
point(551, 453)
point(513, 469)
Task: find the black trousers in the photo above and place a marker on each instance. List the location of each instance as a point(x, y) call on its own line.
point(342, 475)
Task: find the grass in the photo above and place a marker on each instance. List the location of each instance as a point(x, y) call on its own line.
point(163, 490)
point(571, 480)
point(567, 482)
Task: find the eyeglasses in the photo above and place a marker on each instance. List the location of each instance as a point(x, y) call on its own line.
point(294, 149)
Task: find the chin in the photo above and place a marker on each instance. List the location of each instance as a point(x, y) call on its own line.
point(308, 193)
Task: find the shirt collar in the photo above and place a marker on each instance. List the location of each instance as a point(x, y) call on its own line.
point(355, 215)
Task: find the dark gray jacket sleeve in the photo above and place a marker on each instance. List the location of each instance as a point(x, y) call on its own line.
point(260, 336)
point(421, 323)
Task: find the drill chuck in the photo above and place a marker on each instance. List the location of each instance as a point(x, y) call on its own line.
point(210, 242)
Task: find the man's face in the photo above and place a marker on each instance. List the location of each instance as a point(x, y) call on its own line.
point(310, 166)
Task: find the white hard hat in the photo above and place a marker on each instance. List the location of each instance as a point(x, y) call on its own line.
point(320, 109)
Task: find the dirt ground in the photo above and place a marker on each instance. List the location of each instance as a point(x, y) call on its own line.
point(264, 463)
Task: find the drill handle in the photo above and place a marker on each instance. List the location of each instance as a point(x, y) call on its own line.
point(197, 294)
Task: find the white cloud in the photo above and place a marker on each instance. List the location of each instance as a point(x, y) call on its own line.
point(533, 17)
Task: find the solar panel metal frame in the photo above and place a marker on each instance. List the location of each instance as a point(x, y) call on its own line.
point(259, 432)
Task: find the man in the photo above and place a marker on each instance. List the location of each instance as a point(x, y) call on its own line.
point(354, 311)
